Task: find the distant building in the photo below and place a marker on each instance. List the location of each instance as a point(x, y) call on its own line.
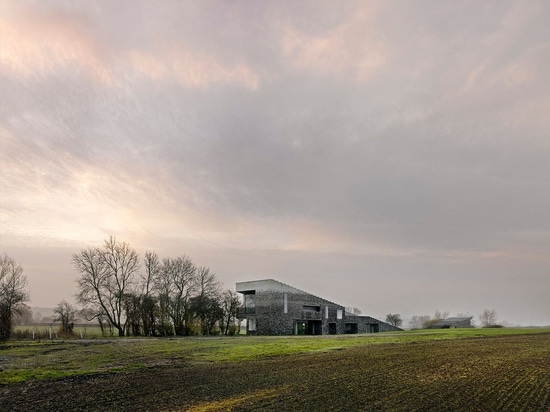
point(458, 322)
point(274, 308)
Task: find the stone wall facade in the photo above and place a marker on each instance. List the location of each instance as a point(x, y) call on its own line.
point(274, 308)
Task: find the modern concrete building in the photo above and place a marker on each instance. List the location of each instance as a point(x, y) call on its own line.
point(274, 308)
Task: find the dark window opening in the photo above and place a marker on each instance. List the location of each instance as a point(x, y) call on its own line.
point(332, 328)
point(351, 328)
point(312, 308)
point(308, 327)
point(372, 328)
point(249, 306)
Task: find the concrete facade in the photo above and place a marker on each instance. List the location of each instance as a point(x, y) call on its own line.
point(274, 308)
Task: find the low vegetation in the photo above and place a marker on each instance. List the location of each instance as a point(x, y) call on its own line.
point(462, 369)
point(55, 331)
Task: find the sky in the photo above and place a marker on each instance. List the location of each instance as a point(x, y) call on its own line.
point(392, 156)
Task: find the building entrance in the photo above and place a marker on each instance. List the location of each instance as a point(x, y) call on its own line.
point(308, 327)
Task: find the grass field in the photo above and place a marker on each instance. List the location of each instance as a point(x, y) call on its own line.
point(470, 369)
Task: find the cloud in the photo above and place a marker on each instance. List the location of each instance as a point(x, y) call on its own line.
point(407, 135)
point(353, 46)
point(44, 40)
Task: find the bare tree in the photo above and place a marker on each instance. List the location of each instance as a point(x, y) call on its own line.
point(67, 315)
point(97, 313)
point(149, 314)
point(207, 282)
point(353, 311)
point(176, 284)
point(22, 314)
point(419, 322)
point(140, 305)
point(107, 274)
point(439, 315)
point(153, 270)
point(12, 292)
point(488, 318)
point(206, 304)
point(132, 312)
point(394, 319)
point(230, 306)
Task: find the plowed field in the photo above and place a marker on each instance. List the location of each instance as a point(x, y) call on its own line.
point(503, 373)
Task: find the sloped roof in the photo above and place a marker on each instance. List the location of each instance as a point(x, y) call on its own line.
point(275, 285)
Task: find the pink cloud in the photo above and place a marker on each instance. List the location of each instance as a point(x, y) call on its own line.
point(354, 46)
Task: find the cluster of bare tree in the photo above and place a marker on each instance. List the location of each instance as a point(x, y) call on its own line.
point(12, 294)
point(67, 314)
point(420, 322)
point(425, 321)
point(171, 296)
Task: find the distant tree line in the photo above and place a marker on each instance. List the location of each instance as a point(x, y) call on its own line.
point(154, 297)
point(488, 319)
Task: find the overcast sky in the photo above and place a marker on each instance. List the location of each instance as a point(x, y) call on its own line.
point(392, 156)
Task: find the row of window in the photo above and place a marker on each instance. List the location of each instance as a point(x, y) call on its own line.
point(314, 327)
point(311, 308)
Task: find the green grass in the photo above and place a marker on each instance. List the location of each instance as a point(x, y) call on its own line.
point(466, 370)
point(29, 360)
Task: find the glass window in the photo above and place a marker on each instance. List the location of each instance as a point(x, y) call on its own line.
point(339, 314)
point(249, 302)
point(251, 325)
point(300, 327)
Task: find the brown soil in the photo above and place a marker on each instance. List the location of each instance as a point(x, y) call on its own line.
point(510, 373)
